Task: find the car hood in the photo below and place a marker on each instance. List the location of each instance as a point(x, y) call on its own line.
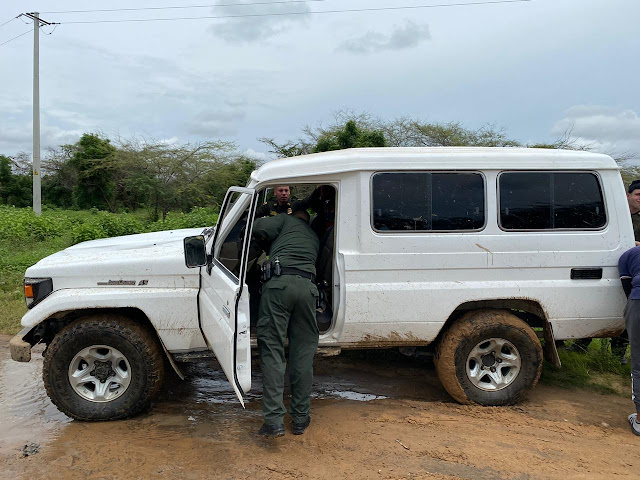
point(148, 260)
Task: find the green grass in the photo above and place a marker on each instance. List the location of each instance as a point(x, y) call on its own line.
point(596, 369)
point(25, 239)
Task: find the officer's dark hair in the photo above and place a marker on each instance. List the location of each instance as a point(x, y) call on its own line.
point(302, 215)
point(635, 185)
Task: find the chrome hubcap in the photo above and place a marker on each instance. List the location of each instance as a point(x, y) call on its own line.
point(493, 364)
point(99, 373)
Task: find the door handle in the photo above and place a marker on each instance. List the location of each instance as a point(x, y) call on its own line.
point(226, 311)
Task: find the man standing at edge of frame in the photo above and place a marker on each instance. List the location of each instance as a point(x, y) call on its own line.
point(629, 268)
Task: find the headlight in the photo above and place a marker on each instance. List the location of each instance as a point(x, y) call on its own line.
point(35, 289)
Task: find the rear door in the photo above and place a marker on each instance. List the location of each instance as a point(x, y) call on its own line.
point(224, 297)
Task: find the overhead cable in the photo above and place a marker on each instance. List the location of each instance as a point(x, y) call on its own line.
point(174, 7)
point(17, 36)
point(283, 14)
point(8, 21)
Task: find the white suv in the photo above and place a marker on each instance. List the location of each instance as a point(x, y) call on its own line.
point(474, 252)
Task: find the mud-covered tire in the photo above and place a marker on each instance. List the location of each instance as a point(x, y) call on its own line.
point(137, 343)
point(469, 332)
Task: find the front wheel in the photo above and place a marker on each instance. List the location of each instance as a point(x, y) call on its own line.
point(104, 367)
point(489, 357)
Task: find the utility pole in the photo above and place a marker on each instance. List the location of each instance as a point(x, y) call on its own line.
point(37, 195)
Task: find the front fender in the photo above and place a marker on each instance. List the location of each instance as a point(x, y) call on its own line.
point(172, 312)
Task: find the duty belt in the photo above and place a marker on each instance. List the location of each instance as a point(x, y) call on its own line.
point(295, 271)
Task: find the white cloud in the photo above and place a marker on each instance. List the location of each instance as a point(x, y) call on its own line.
point(255, 28)
point(258, 156)
point(401, 37)
point(215, 123)
point(19, 137)
point(604, 128)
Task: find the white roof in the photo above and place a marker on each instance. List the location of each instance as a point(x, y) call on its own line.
point(430, 158)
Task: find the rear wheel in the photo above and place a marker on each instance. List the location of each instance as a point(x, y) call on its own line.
point(104, 367)
point(489, 357)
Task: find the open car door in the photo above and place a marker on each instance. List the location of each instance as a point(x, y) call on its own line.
point(224, 298)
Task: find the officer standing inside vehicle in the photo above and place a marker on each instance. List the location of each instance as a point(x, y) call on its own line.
point(283, 203)
point(287, 309)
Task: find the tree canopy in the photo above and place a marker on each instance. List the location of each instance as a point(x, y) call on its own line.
point(96, 172)
point(132, 174)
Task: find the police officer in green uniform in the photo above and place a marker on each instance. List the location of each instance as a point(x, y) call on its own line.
point(287, 309)
point(280, 205)
point(283, 203)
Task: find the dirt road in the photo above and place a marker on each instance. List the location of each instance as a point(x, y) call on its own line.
point(375, 416)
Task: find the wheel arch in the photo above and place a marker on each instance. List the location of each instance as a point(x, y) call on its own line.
point(47, 329)
point(528, 310)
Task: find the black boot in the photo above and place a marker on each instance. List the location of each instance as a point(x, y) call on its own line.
point(271, 431)
point(299, 428)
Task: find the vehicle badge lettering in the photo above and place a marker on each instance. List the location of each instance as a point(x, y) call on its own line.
point(118, 282)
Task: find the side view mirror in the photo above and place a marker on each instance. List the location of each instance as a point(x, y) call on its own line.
point(195, 253)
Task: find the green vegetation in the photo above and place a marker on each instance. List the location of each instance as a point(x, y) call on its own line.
point(595, 368)
point(132, 176)
point(26, 238)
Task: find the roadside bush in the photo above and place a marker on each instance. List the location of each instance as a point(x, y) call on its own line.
point(103, 225)
point(87, 231)
point(118, 225)
point(197, 217)
point(22, 223)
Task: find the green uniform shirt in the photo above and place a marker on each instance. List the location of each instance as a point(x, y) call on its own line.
point(273, 208)
point(635, 220)
point(291, 241)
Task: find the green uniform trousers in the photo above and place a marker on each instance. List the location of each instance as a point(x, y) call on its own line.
point(287, 309)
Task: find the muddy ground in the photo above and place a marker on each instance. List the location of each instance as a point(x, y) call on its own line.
point(375, 415)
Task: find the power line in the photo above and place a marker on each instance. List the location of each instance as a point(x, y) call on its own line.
point(18, 36)
point(174, 7)
point(8, 21)
point(282, 14)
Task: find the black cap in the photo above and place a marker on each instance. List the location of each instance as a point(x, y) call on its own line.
point(635, 185)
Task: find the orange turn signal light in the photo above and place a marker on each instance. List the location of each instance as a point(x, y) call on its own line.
point(28, 291)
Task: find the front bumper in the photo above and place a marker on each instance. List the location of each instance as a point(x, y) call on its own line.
point(19, 348)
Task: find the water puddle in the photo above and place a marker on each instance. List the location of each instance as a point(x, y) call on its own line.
point(26, 413)
point(358, 397)
point(202, 406)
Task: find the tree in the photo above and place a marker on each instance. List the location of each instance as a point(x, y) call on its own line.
point(59, 177)
point(350, 130)
point(167, 177)
point(95, 186)
point(16, 183)
point(349, 136)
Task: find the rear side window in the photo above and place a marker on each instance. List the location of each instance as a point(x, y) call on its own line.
point(551, 200)
point(425, 201)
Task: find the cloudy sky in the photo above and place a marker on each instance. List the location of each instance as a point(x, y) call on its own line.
point(536, 68)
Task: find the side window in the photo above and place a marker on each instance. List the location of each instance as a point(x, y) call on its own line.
point(550, 200)
point(425, 201)
point(229, 252)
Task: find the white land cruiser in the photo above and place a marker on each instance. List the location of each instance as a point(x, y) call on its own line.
point(475, 252)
